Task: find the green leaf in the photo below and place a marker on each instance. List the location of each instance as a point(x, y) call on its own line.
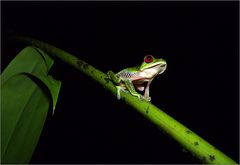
point(27, 92)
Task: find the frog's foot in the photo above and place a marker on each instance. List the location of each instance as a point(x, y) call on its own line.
point(148, 98)
point(110, 74)
point(145, 98)
point(119, 90)
point(142, 98)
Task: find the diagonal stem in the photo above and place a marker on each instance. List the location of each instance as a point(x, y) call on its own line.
point(193, 143)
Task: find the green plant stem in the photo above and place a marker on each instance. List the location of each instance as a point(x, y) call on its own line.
point(190, 141)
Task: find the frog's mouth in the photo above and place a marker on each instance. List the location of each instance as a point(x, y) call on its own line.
point(163, 67)
point(150, 67)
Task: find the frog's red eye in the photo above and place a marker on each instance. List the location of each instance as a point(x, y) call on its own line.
point(148, 59)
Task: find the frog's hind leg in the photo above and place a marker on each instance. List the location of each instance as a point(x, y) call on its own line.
point(117, 81)
point(131, 88)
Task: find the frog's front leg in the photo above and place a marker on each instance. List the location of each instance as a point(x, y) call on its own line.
point(113, 77)
point(117, 81)
point(146, 92)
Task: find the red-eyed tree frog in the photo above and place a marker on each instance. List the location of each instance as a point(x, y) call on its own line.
point(134, 77)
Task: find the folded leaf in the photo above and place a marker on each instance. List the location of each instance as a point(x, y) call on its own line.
point(27, 92)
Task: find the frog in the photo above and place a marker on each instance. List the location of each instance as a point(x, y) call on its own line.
point(133, 78)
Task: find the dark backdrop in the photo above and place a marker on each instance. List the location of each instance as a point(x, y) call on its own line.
point(199, 40)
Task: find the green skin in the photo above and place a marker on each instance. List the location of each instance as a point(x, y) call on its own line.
point(134, 77)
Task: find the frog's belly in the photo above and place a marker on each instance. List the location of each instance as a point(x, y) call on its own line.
point(140, 81)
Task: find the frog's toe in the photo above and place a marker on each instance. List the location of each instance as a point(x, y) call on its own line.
point(145, 98)
point(118, 97)
point(148, 98)
point(118, 92)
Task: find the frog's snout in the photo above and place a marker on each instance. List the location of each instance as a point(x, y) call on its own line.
point(163, 67)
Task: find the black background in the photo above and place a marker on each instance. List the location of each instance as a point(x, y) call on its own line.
point(199, 41)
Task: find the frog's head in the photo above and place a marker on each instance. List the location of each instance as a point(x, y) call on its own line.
point(156, 65)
